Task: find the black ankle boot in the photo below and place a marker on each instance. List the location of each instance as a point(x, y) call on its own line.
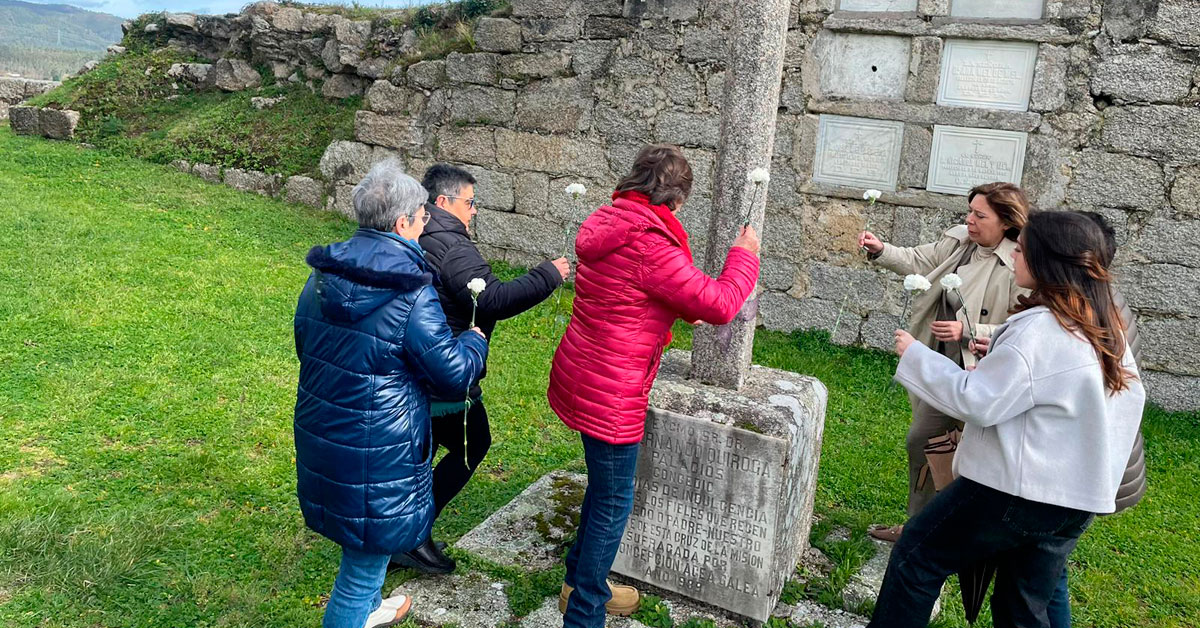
point(427, 558)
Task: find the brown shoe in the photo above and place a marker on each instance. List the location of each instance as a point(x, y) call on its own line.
point(625, 600)
point(885, 533)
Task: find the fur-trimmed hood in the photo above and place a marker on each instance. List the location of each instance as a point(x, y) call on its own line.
point(356, 277)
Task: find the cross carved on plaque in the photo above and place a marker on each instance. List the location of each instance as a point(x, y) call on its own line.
point(977, 144)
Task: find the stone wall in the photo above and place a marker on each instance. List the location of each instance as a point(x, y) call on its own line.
point(17, 90)
point(568, 90)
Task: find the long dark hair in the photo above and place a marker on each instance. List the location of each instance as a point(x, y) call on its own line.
point(661, 172)
point(1064, 252)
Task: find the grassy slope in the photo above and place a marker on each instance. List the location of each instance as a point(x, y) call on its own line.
point(146, 474)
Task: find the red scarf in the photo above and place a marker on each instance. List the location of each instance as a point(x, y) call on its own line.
point(664, 214)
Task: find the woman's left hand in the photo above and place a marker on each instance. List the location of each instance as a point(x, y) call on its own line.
point(903, 339)
point(947, 331)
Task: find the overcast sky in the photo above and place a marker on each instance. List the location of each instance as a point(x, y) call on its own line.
point(134, 8)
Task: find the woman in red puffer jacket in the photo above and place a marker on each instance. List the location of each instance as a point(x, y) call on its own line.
point(635, 277)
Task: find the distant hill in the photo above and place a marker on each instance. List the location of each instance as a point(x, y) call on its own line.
point(56, 26)
point(49, 40)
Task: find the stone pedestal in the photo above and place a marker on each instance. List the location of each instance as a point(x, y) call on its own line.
point(724, 488)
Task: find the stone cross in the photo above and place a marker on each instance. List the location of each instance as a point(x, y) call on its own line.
point(721, 355)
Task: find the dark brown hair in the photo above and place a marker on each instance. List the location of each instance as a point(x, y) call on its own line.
point(661, 172)
point(1064, 253)
point(1008, 201)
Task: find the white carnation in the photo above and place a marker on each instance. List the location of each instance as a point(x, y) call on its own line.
point(951, 282)
point(476, 286)
point(916, 283)
point(872, 195)
point(759, 176)
point(576, 190)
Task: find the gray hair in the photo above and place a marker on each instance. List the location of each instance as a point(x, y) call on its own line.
point(385, 195)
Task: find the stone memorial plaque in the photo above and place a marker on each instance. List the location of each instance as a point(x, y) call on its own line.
point(879, 6)
point(997, 9)
point(705, 512)
point(962, 158)
point(858, 152)
point(862, 67)
point(989, 74)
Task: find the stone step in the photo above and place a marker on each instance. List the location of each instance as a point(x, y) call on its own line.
point(466, 600)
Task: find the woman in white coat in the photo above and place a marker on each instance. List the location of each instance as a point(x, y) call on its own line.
point(1051, 414)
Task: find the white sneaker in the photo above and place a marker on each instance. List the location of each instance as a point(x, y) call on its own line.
point(391, 612)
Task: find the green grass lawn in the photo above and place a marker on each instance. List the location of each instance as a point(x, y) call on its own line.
point(147, 379)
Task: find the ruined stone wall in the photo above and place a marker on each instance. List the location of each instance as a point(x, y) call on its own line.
point(567, 90)
point(17, 90)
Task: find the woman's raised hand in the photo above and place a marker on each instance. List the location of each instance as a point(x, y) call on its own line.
point(747, 239)
point(872, 244)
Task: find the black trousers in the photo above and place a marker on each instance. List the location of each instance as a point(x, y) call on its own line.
point(969, 522)
point(451, 473)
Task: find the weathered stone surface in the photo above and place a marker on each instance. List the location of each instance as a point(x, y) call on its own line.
point(679, 10)
point(252, 181)
point(930, 114)
point(471, 145)
point(747, 456)
point(233, 75)
point(342, 200)
point(194, 73)
point(383, 97)
point(1161, 288)
point(181, 20)
point(343, 86)
point(181, 165)
point(305, 191)
point(1125, 20)
point(1049, 79)
point(924, 70)
point(809, 613)
point(58, 124)
point(345, 161)
point(1113, 180)
point(493, 190)
point(473, 104)
point(25, 120)
point(427, 74)
point(1185, 193)
point(832, 283)
point(914, 157)
point(115, 50)
point(1175, 393)
point(468, 600)
point(1139, 131)
point(1167, 241)
point(535, 65)
point(688, 129)
point(1176, 21)
point(498, 35)
point(260, 103)
point(208, 172)
point(1143, 73)
point(549, 154)
point(861, 67)
point(531, 530)
point(539, 30)
point(781, 312)
point(1164, 347)
point(559, 105)
point(480, 67)
point(399, 131)
point(531, 193)
point(590, 58)
point(288, 19)
point(517, 232)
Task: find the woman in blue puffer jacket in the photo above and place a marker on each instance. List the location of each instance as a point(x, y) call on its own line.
point(373, 343)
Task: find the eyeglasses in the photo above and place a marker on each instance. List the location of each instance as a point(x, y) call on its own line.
point(470, 201)
point(424, 219)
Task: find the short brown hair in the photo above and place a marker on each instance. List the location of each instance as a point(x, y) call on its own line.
point(1008, 201)
point(661, 172)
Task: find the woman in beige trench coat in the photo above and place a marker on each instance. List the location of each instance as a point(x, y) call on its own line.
point(980, 252)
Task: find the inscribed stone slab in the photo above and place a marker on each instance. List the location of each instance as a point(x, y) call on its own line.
point(962, 158)
point(858, 152)
point(997, 9)
point(989, 74)
point(879, 6)
point(864, 67)
point(707, 499)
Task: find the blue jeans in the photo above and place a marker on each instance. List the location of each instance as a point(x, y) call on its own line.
point(606, 507)
point(1059, 609)
point(968, 522)
point(356, 590)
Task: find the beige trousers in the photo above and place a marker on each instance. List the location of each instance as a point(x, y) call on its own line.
point(927, 422)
